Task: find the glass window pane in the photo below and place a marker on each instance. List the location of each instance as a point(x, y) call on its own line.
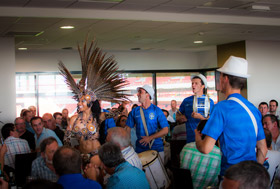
point(25, 91)
point(210, 76)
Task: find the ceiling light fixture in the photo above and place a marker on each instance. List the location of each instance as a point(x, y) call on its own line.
point(261, 7)
point(197, 42)
point(22, 48)
point(67, 27)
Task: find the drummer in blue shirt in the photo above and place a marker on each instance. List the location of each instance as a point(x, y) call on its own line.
point(156, 123)
point(196, 107)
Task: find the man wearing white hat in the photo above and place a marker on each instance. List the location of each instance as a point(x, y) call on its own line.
point(196, 107)
point(153, 118)
point(235, 121)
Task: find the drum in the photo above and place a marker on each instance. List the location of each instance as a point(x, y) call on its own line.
point(154, 169)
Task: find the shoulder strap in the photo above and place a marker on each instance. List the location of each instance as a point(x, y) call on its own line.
point(145, 126)
point(248, 111)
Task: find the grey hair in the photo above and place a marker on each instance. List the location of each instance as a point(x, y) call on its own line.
point(119, 136)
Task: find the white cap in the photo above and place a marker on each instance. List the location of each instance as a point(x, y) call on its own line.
point(149, 90)
point(202, 77)
point(235, 66)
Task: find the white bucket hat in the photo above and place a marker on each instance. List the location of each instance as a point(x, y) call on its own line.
point(149, 90)
point(235, 66)
point(202, 77)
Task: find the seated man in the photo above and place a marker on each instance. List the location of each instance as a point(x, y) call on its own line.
point(263, 107)
point(120, 137)
point(41, 133)
point(42, 167)
point(24, 133)
point(123, 175)
point(58, 119)
point(272, 159)
point(246, 174)
point(67, 163)
point(14, 144)
point(204, 168)
point(50, 123)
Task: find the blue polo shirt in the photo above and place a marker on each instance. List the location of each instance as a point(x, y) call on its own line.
point(109, 123)
point(155, 121)
point(186, 108)
point(74, 181)
point(232, 125)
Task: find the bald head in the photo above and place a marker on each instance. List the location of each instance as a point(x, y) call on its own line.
point(118, 136)
point(49, 121)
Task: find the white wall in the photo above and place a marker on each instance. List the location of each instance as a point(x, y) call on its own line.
point(264, 67)
point(37, 61)
point(7, 80)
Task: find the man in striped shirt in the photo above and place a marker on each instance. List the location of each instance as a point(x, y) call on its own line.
point(14, 144)
point(121, 137)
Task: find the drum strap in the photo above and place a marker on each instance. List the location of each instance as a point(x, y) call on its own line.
point(145, 126)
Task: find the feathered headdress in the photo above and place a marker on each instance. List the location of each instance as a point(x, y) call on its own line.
point(100, 79)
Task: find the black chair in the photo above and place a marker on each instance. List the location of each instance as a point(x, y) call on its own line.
point(181, 178)
point(175, 149)
point(23, 163)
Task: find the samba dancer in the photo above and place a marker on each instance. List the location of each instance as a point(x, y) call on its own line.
point(100, 81)
point(196, 107)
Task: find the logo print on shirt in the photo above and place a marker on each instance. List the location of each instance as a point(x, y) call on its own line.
point(152, 116)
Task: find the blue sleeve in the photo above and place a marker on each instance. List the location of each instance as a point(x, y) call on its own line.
point(215, 124)
point(162, 119)
point(109, 123)
point(182, 107)
point(261, 134)
point(211, 105)
point(130, 120)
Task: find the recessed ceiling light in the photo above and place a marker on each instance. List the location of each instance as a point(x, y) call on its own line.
point(67, 27)
point(22, 48)
point(198, 42)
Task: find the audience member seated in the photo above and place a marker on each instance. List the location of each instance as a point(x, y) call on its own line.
point(41, 133)
point(23, 133)
point(123, 175)
point(22, 111)
point(121, 137)
point(14, 144)
point(42, 167)
point(121, 121)
point(179, 131)
point(58, 119)
point(263, 107)
point(32, 109)
point(204, 168)
point(65, 118)
point(246, 175)
point(273, 105)
point(173, 110)
point(168, 117)
point(67, 163)
point(27, 115)
point(272, 159)
point(271, 123)
point(50, 123)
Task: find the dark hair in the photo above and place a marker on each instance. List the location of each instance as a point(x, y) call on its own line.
point(96, 110)
point(6, 129)
point(164, 110)
point(35, 118)
point(67, 160)
point(272, 117)
point(56, 114)
point(46, 142)
point(42, 184)
point(110, 154)
point(268, 137)
point(119, 120)
point(202, 83)
point(236, 82)
point(249, 174)
point(200, 127)
point(274, 101)
point(25, 113)
point(263, 103)
point(134, 106)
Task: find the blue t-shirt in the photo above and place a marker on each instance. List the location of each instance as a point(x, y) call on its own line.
point(127, 176)
point(232, 125)
point(186, 108)
point(155, 121)
point(74, 181)
point(109, 123)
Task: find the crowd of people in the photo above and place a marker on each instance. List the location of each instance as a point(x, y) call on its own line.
point(231, 144)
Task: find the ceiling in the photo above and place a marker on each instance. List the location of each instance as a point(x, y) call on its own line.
point(147, 25)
